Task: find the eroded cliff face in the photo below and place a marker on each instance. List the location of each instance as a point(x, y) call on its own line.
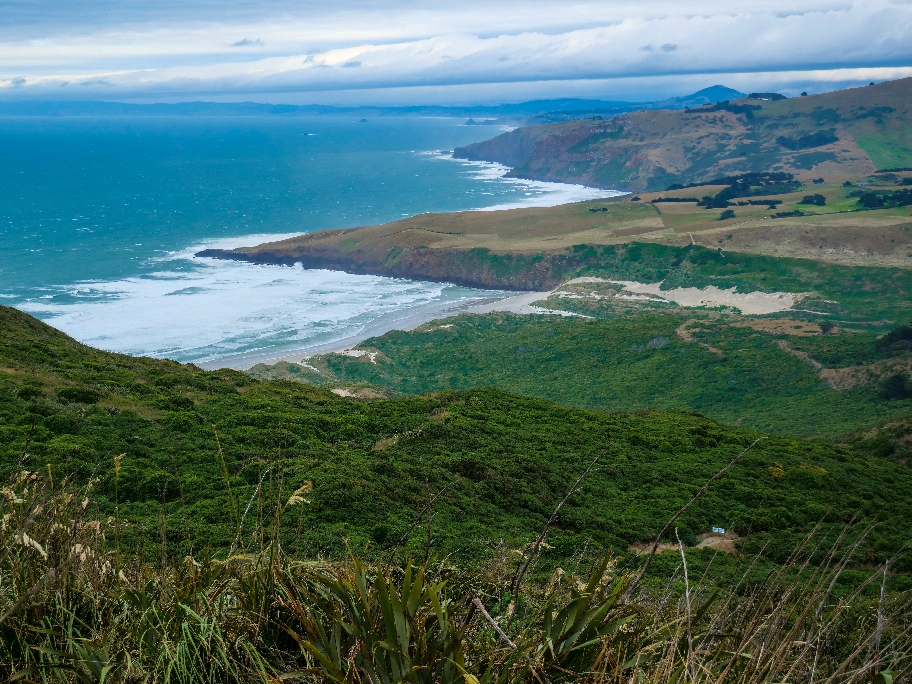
point(470, 268)
point(604, 153)
point(517, 147)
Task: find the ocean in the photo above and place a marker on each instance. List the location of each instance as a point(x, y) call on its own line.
point(100, 218)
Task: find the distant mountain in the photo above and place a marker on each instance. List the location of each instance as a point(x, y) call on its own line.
point(556, 109)
point(92, 108)
point(854, 131)
point(511, 111)
point(711, 95)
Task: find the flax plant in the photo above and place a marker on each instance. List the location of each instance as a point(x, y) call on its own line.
point(67, 614)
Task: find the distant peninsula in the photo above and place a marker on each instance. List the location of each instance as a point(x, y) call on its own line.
point(854, 131)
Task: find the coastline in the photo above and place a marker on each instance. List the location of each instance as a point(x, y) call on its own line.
point(541, 193)
point(500, 299)
point(405, 320)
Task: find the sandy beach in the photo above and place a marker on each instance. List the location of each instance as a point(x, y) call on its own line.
point(408, 320)
point(748, 303)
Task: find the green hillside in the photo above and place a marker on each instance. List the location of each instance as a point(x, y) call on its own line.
point(499, 462)
point(815, 369)
point(730, 372)
point(853, 131)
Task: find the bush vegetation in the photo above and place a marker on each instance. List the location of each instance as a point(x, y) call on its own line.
point(885, 199)
point(727, 370)
point(851, 293)
point(198, 452)
point(73, 610)
point(808, 140)
point(162, 523)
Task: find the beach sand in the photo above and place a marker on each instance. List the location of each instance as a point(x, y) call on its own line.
point(749, 303)
point(409, 320)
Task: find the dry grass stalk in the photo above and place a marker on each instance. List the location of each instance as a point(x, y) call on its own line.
point(68, 614)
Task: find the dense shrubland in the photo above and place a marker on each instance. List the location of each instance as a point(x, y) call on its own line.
point(163, 523)
point(725, 369)
point(75, 607)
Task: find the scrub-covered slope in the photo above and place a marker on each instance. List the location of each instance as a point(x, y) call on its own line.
point(499, 462)
point(854, 131)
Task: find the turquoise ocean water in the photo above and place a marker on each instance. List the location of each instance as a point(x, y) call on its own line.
point(100, 217)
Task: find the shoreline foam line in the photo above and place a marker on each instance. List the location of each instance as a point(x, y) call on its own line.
point(185, 308)
point(405, 319)
point(541, 193)
point(516, 304)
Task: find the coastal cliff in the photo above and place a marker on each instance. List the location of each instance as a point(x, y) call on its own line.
point(471, 268)
point(517, 249)
point(847, 132)
point(536, 248)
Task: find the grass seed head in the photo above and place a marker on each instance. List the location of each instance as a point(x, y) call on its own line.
point(297, 496)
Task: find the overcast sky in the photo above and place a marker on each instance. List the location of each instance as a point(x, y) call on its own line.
point(460, 51)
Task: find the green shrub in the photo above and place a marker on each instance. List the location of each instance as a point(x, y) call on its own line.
point(815, 200)
point(897, 386)
point(808, 140)
point(78, 395)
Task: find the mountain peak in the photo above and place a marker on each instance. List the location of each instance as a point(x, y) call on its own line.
point(710, 95)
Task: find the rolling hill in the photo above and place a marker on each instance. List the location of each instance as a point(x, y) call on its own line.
point(854, 131)
point(195, 445)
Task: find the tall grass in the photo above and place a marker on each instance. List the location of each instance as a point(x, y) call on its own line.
point(69, 612)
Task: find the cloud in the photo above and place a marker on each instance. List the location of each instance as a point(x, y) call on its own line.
point(180, 47)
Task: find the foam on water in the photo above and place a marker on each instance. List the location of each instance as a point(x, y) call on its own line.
point(213, 312)
point(529, 193)
point(209, 310)
point(142, 299)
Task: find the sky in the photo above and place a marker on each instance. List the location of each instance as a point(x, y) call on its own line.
point(453, 52)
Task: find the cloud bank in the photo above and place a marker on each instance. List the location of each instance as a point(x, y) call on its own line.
point(190, 48)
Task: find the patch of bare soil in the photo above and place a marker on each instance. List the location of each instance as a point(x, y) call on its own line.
point(782, 326)
point(751, 303)
point(684, 333)
point(357, 392)
point(283, 370)
point(645, 547)
point(368, 354)
point(842, 379)
point(384, 444)
point(724, 542)
point(710, 540)
point(786, 347)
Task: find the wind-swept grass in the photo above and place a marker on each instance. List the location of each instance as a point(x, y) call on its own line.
point(67, 614)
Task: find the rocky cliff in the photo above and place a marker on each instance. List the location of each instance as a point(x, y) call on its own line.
point(470, 268)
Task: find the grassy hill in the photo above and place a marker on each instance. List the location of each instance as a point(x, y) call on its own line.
point(497, 462)
point(862, 221)
point(853, 131)
point(732, 369)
